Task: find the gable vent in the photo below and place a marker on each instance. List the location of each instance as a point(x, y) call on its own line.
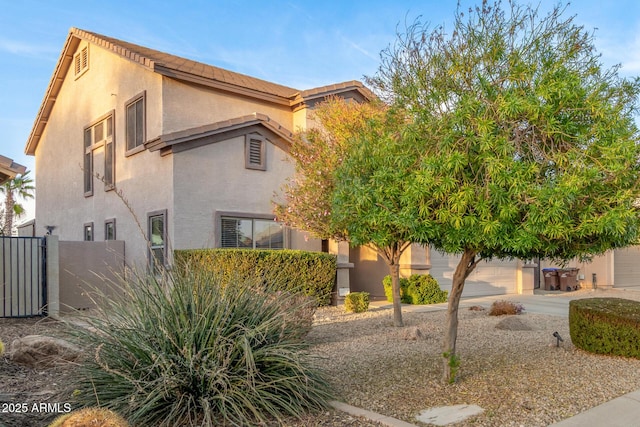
point(255, 153)
point(81, 61)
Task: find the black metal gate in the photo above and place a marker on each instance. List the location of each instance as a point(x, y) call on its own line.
point(23, 287)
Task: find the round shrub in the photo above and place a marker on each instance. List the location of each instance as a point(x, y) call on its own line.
point(417, 289)
point(94, 417)
point(357, 302)
point(190, 350)
point(606, 326)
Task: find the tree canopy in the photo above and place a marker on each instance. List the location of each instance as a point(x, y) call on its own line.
point(350, 181)
point(15, 189)
point(528, 143)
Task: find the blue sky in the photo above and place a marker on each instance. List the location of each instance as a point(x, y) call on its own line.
point(302, 44)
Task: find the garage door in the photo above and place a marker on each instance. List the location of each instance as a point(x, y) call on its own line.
point(626, 267)
point(489, 278)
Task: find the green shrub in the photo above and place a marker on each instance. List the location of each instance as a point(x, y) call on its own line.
point(312, 273)
point(417, 289)
point(388, 289)
point(191, 349)
point(357, 302)
point(1, 348)
point(606, 326)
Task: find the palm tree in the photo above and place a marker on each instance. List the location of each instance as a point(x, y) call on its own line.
point(15, 189)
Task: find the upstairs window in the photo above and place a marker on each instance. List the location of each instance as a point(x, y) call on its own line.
point(255, 152)
point(135, 127)
point(100, 134)
point(251, 233)
point(81, 62)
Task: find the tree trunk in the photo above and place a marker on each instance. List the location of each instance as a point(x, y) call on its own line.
point(8, 213)
point(450, 361)
point(394, 270)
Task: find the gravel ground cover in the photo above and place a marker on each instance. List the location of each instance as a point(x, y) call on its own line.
point(519, 377)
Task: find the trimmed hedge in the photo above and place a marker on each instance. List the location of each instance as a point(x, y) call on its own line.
point(417, 289)
point(312, 273)
point(606, 326)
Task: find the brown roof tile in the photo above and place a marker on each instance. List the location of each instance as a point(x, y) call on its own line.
point(152, 58)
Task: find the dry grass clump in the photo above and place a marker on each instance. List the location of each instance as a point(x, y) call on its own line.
point(502, 308)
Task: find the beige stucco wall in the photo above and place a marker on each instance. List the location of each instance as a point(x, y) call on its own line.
point(188, 106)
point(107, 86)
point(213, 178)
point(88, 271)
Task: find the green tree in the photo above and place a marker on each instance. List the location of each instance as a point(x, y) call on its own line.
point(529, 145)
point(350, 181)
point(15, 189)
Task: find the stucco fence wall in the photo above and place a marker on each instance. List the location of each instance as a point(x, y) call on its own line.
point(79, 272)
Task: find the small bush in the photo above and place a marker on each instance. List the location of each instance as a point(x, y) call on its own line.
point(311, 273)
point(1, 348)
point(417, 289)
point(190, 349)
point(501, 308)
point(357, 302)
point(606, 326)
point(94, 417)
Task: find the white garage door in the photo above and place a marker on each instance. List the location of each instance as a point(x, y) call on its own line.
point(489, 278)
point(626, 267)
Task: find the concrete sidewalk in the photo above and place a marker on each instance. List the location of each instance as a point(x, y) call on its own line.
point(623, 411)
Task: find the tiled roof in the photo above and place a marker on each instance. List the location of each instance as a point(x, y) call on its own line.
point(174, 139)
point(9, 169)
point(183, 69)
point(164, 62)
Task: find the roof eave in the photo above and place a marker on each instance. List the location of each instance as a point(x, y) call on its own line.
point(216, 84)
point(57, 79)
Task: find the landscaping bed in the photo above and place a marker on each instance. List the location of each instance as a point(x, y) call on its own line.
point(518, 376)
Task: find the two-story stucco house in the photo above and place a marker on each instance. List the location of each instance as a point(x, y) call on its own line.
point(138, 145)
point(142, 146)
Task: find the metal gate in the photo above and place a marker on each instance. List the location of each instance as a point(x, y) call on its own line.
point(23, 287)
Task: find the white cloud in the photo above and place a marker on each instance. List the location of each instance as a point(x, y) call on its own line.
point(22, 48)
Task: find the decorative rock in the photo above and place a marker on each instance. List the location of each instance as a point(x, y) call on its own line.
point(39, 351)
point(444, 415)
point(412, 334)
point(513, 323)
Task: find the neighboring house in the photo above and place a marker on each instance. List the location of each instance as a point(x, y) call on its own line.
point(9, 169)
